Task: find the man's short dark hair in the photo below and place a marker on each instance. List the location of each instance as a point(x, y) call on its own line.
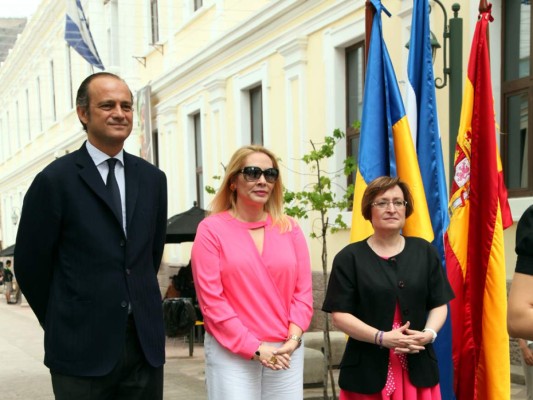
point(82, 97)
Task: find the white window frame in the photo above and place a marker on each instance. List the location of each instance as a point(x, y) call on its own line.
point(189, 110)
point(335, 42)
point(243, 84)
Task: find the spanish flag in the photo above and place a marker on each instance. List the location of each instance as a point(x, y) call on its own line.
point(479, 212)
point(386, 146)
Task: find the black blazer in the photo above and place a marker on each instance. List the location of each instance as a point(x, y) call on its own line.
point(524, 243)
point(78, 270)
point(367, 286)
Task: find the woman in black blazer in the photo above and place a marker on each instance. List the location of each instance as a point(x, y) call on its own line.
point(388, 293)
point(519, 316)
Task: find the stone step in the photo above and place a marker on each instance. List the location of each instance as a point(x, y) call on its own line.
point(315, 340)
point(517, 375)
point(314, 358)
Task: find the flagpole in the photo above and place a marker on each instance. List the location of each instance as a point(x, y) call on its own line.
point(483, 6)
point(369, 18)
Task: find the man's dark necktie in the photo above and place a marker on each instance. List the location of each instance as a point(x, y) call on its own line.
point(112, 186)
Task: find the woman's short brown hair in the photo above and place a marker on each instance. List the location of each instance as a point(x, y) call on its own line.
point(381, 185)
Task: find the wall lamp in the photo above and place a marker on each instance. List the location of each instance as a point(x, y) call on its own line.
point(435, 45)
point(15, 215)
point(452, 71)
point(452, 33)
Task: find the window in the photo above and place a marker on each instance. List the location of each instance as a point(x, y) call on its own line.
point(17, 123)
point(517, 90)
point(155, 21)
point(256, 115)
point(198, 159)
point(8, 135)
point(3, 144)
point(155, 147)
point(70, 90)
point(355, 64)
point(198, 4)
point(53, 92)
point(113, 46)
point(39, 105)
point(28, 121)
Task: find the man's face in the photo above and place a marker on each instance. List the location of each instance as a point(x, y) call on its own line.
point(110, 113)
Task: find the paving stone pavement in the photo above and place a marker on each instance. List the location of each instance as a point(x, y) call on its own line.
point(23, 375)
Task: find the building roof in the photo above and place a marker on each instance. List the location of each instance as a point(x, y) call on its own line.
point(9, 30)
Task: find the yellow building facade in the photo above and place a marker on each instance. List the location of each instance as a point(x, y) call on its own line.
point(209, 76)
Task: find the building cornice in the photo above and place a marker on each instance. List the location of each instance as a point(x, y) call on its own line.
point(272, 18)
point(34, 38)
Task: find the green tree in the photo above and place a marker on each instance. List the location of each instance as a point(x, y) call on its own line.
point(316, 200)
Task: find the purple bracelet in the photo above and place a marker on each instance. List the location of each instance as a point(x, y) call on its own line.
point(380, 339)
point(376, 338)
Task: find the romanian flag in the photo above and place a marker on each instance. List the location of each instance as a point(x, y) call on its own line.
point(422, 113)
point(386, 146)
point(479, 212)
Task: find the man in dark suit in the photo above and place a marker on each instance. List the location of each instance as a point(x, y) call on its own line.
point(88, 264)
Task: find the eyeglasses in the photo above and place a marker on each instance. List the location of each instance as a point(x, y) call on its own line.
point(252, 174)
point(382, 204)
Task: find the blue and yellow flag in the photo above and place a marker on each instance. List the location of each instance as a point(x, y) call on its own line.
point(386, 146)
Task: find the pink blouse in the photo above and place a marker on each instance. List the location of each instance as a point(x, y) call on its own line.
point(247, 297)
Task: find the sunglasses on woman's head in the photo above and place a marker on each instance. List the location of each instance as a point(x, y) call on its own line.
point(252, 174)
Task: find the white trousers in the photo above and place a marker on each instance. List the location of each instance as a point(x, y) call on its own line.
point(231, 377)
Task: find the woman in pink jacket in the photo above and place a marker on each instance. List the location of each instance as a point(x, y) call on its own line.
point(253, 279)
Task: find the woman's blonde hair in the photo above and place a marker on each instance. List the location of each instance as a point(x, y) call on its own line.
point(226, 199)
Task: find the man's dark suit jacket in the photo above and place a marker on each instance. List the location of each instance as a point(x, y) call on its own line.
point(79, 271)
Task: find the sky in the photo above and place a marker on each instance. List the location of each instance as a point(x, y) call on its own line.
point(17, 8)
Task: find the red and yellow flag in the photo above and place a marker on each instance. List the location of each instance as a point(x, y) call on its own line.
point(479, 212)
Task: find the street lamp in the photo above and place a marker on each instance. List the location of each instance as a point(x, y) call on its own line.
point(452, 36)
point(14, 216)
point(435, 45)
point(453, 32)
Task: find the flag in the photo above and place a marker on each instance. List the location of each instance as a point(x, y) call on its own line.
point(386, 146)
point(479, 212)
point(422, 115)
point(78, 35)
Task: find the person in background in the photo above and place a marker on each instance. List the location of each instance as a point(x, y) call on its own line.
point(172, 292)
point(520, 302)
point(252, 274)
point(89, 245)
point(184, 282)
point(389, 294)
point(8, 281)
